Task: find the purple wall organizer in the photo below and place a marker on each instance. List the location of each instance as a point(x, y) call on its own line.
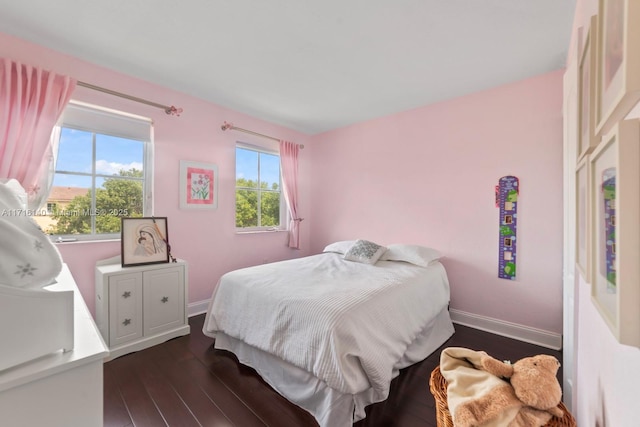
point(507, 192)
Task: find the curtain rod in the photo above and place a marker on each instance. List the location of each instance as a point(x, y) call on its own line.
point(227, 125)
point(171, 110)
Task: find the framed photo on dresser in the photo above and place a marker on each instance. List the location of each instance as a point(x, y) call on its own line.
point(144, 241)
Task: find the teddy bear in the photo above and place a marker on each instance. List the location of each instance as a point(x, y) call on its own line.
point(534, 381)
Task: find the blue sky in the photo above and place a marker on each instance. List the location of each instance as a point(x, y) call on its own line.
point(112, 155)
point(247, 166)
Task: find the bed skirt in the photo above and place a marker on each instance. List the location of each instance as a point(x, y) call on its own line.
point(329, 407)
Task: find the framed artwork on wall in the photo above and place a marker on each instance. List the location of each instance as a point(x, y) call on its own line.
point(198, 185)
point(614, 194)
point(587, 83)
point(144, 241)
point(618, 84)
point(582, 219)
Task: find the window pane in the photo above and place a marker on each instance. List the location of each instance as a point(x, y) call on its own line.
point(270, 209)
point(257, 182)
point(118, 156)
point(269, 171)
point(71, 197)
point(75, 153)
point(246, 168)
point(246, 208)
point(100, 177)
point(117, 198)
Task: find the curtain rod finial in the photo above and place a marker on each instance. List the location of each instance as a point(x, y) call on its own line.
point(226, 125)
point(173, 111)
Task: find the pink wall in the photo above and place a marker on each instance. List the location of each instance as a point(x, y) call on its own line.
point(206, 239)
point(427, 176)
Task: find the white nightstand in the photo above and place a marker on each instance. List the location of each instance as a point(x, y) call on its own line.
point(140, 306)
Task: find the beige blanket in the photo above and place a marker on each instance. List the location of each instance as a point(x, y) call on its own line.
point(477, 398)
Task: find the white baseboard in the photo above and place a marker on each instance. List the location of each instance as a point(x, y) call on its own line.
point(507, 329)
point(198, 307)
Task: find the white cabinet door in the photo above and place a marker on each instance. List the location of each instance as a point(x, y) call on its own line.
point(163, 299)
point(125, 302)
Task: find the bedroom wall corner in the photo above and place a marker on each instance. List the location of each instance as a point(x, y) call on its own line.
point(427, 176)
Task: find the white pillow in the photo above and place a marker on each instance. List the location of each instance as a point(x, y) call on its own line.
point(414, 254)
point(365, 252)
point(28, 259)
point(340, 247)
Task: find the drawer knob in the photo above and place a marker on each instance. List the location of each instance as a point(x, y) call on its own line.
point(164, 299)
point(126, 294)
point(126, 322)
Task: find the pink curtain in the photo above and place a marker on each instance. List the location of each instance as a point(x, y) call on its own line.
point(31, 101)
point(289, 168)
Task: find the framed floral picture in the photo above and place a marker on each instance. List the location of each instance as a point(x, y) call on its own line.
point(618, 86)
point(614, 178)
point(144, 240)
point(198, 185)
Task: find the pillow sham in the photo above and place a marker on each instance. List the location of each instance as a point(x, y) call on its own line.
point(340, 247)
point(413, 254)
point(365, 252)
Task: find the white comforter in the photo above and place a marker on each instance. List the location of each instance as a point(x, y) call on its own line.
point(347, 323)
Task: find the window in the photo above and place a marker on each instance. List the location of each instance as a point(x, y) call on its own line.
point(102, 174)
point(259, 204)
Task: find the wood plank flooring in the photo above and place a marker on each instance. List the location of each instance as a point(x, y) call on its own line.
point(185, 382)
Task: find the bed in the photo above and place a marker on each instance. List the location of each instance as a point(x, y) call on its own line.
point(330, 331)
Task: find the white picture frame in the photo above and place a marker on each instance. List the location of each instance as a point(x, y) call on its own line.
point(587, 69)
point(615, 230)
point(583, 241)
point(618, 74)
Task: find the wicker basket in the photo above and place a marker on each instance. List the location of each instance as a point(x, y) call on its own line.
point(438, 386)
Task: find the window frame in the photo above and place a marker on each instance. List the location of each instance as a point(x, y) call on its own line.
point(284, 212)
point(147, 168)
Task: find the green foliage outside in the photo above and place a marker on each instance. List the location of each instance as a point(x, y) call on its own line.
point(115, 199)
point(247, 214)
point(121, 197)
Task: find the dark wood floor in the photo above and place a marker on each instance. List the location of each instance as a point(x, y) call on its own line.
point(185, 382)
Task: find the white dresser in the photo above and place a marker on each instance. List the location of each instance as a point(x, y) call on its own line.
point(59, 389)
point(140, 306)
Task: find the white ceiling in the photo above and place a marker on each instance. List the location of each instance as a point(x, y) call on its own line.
point(308, 65)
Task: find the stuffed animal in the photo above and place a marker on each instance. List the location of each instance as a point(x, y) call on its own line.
point(533, 380)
